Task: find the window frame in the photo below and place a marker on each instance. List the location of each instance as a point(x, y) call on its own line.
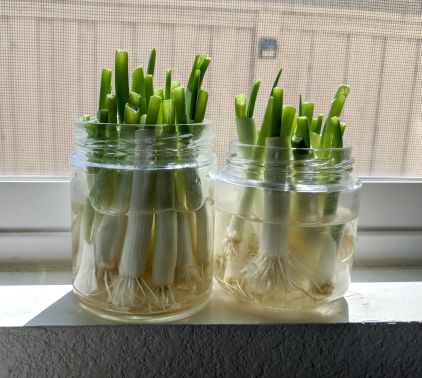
point(35, 221)
point(391, 208)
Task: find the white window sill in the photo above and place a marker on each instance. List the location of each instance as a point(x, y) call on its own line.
point(386, 295)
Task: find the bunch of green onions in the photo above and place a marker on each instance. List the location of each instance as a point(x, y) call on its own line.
point(286, 135)
point(151, 214)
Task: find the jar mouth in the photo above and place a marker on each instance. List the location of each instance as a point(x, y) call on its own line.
point(193, 125)
point(235, 144)
point(287, 168)
point(142, 146)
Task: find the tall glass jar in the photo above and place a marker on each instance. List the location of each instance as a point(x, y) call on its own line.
point(142, 226)
point(286, 223)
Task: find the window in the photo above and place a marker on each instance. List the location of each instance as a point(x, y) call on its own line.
point(52, 53)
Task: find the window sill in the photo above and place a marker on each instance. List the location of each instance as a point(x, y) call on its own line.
point(375, 330)
point(380, 295)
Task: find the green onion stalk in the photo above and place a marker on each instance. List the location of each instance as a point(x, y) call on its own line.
point(140, 114)
point(331, 238)
point(129, 287)
point(110, 189)
point(310, 140)
point(186, 272)
point(234, 250)
point(85, 279)
point(274, 268)
point(190, 108)
point(304, 139)
point(110, 231)
point(165, 248)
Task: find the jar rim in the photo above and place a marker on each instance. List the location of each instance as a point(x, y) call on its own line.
point(149, 151)
point(236, 144)
point(81, 122)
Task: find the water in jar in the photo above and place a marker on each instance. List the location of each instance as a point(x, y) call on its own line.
point(170, 273)
point(311, 266)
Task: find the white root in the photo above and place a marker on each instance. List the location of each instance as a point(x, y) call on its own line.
point(125, 291)
point(267, 275)
point(235, 264)
point(164, 297)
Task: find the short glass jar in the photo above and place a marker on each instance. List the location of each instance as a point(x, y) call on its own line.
point(286, 221)
point(142, 219)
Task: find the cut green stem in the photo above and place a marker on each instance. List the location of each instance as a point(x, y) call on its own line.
point(105, 88)
point(151, 62)
point(121, 82)
point(138, 81)
point(252, 98)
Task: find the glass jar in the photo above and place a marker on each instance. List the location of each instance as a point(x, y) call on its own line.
point(142, 219)
point(285, 226)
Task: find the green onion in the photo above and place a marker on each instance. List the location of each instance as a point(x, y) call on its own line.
point(168, 85)
point(86, 278)
point(193, 95)
point(308, 111)
point(173, 86)
point(241, 106)
point(331, 239)
point(180, 109)
point(121, 82)
point(276, 112)
point(245, 123)
point(105, 88)
point(149, 88)
point(111, 105)
point(112, 226)
point(138, 233)
point(165, 249)
point(159, 92)
point(233, 240)
point(266, 272)
point(201, 106)
point(151, 62)
point(203, 68)
point(134, 99)
point(287, 120)
point(138, 81)
point(277, 79)
point(252, 98)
